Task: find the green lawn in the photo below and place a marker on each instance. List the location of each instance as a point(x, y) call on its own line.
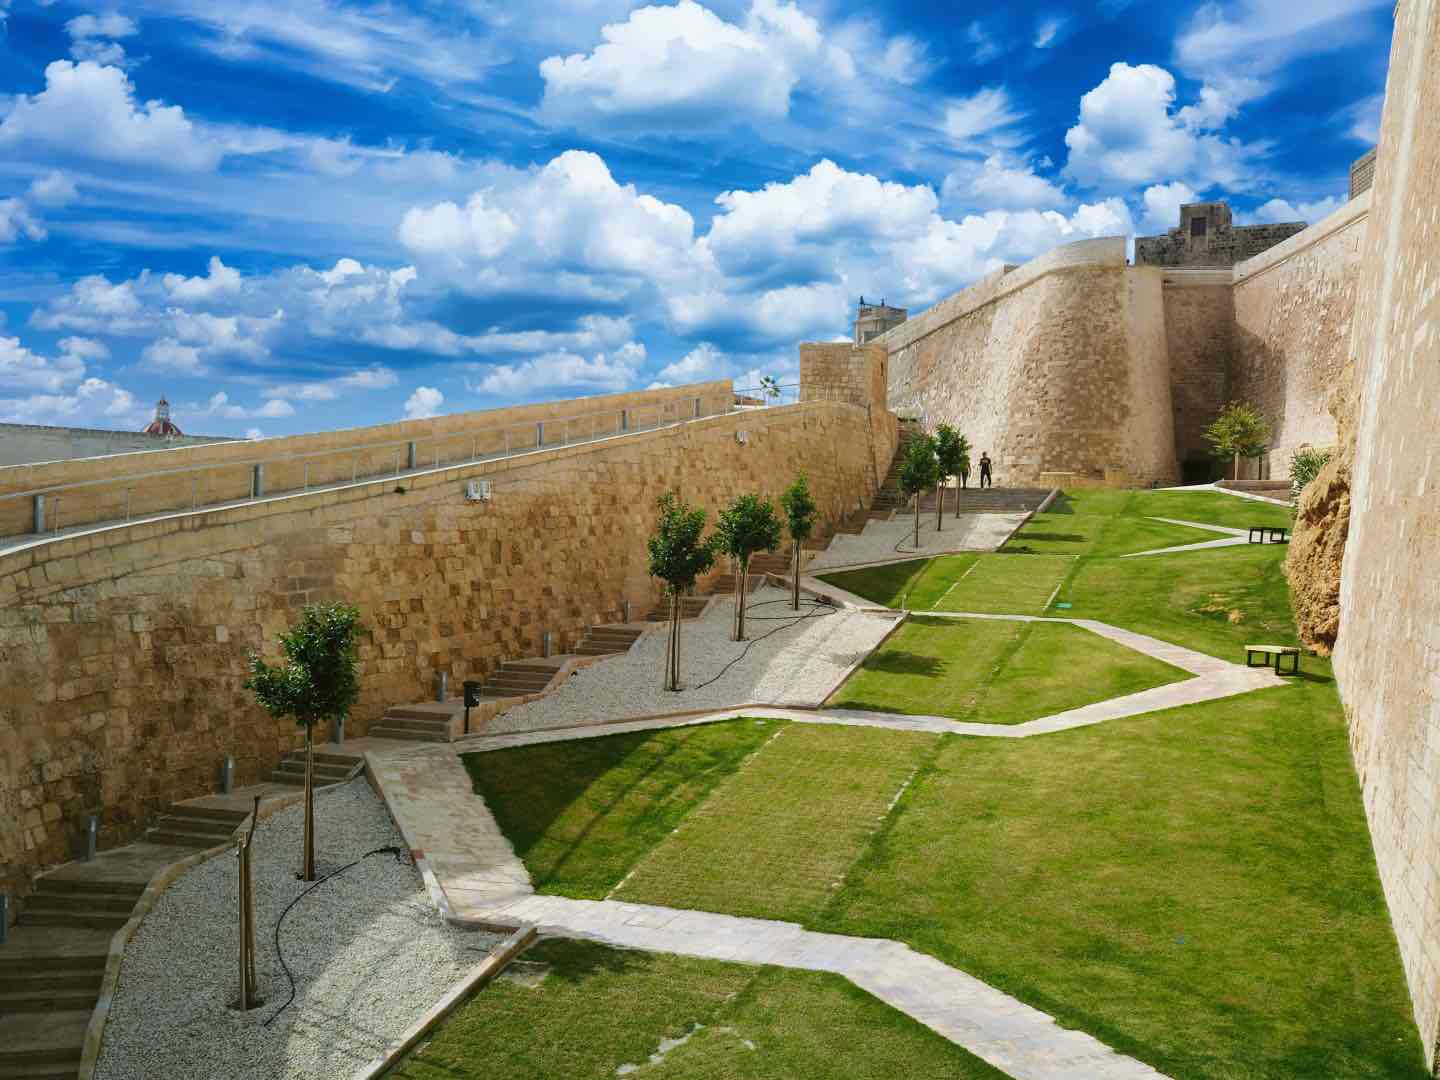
point(1212, 601)
point(996, 672)
point(821, 792)
point(598, 1009)
point(581, 813)
point(1195, 888)
point(992, 584)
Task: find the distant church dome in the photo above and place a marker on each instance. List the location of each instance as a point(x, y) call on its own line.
point(162, 424)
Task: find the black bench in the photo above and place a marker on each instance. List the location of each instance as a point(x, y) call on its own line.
point(1269, 534)
point(1277, 652)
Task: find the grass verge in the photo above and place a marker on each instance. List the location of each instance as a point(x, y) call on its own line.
point(581, 813)
point(995, 672)
point(598, 1010)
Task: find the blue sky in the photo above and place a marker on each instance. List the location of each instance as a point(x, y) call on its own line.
point(288, 215)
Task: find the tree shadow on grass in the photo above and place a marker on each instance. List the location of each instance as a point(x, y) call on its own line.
point(901, 662)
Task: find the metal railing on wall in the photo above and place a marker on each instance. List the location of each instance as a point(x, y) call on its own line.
point(65, 509)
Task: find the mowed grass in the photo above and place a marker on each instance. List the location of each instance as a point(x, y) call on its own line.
point(598, 1010)
point(581, 813)
point(995, 672)
point(1195, 888)
point(1006, 585)
point(1213, 601)
point(775, 840)
point(1209, 507)
point(917, 583)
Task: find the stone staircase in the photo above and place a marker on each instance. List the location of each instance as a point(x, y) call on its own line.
point(724, 585)
point(330, 768)
point(519, 678)
point(991, 500)
point(91, 905)
point(608, 639)
point(196, 826)
point(417, 723)
point(691, 607)
point(889, 498)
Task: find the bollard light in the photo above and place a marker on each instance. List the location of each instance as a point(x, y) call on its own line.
point(4, 916)
point(227, 774)
point(627, 611)
point(92, 831)
point(545, 644)
point(442, 686)
point(337, 730)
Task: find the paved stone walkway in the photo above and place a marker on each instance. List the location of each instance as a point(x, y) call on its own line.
point(474, 875)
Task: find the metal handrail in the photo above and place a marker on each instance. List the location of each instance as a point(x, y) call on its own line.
point(620, 422)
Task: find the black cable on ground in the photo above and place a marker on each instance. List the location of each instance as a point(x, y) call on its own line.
point(392, 849)
point(788, 620)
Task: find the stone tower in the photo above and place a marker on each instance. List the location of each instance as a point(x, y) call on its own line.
point(875, 319)
point(1206, 237)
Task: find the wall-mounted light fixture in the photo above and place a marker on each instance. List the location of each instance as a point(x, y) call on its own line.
point(477, 490)
point(742, 437)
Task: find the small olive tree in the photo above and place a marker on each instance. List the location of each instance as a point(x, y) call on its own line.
point(748, 525)
point(1239, 431)
point(918, 473)
point(679, 553)
point(319, 681)
point(949, 453)
point(799, 507)
point(964, 467)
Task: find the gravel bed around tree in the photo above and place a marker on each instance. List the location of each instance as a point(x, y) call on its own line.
point(889, 541)
point(369, 954)
point(801, 660)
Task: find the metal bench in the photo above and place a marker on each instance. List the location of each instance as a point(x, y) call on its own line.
point(1274, 654)
point(1269, 534)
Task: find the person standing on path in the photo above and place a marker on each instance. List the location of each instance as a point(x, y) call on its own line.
point(985, 478)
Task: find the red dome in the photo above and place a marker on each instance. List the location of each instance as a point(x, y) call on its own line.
point(162, 425)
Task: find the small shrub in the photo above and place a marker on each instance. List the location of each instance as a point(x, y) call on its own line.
point(1304, 467)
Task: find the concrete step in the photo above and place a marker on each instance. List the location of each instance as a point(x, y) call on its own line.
point(90, 920)
point(88, 885)
point(215, 812)
point(49, 1000)
point(39, 900)
point(42, 1044)
point(691, 607)
point(411, 731)
point(320, 770)
point(46, 979)
point(195, 824)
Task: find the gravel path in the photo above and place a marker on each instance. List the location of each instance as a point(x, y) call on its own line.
point(369, 953)
point(798, 664)
point(887, 541)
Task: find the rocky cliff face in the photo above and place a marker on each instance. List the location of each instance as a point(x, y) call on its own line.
point(1322, 520)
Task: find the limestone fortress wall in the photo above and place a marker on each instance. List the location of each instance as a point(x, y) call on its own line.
point(1294, 307)
point(1080, 368)
point(123, 651)
point(1059, 366)
point(1387, 655)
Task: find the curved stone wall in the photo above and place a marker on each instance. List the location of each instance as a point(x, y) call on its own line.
point(1057, 366)
point(1294, 306)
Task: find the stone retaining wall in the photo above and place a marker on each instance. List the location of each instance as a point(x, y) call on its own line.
point(1388, 654)
point(1057, 366)
point(1293, 310)
point(122, 652)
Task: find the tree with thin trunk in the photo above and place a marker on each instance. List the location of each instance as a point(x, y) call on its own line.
point(918, 473)
point(679, 553)
point(799, 507)
point(746, 526)
point(1240, 430)
point(949, 453)
point(319, 681)
point(963, 468)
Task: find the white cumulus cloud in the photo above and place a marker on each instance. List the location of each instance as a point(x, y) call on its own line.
point(89, 110)
point(424, 402)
